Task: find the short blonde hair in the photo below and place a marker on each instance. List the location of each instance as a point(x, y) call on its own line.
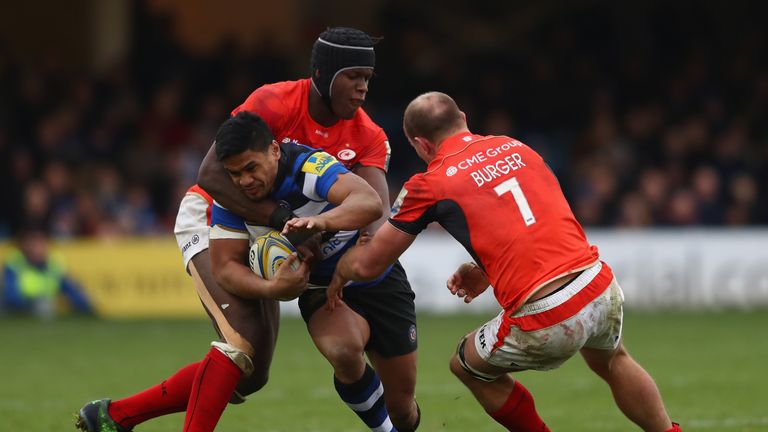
point(433, 116)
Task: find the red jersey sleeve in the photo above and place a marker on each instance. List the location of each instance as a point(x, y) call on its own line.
point(414, 207)
point(378, 153)
point(267, 104)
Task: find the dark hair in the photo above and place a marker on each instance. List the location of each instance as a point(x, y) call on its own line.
point(339, 48)
point(244, 131)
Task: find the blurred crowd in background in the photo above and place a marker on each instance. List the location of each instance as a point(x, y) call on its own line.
point(651, 115)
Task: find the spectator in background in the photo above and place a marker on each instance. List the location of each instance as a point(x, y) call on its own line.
point(655, 126)
point(706, 187)
point(34, 279)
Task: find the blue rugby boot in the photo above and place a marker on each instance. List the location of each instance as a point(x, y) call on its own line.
point(94, 417)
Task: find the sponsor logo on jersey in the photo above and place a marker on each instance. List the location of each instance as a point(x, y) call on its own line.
point(452, 170)
point(399, 202)
point(318, 163)
point(195, 239)
point(287, 140)
point(346, 154)
point(482, 156)
point(331, 246)
point(321, 133)
point(412, 333)
point(186, 246)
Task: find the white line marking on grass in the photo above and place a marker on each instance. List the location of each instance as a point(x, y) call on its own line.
point(698, 424)
point(726, 422)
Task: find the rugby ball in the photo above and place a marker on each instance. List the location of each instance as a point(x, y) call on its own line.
point(268, 252)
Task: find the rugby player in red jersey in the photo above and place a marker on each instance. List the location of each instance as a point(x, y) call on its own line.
point(499, 199)
point(324, 112)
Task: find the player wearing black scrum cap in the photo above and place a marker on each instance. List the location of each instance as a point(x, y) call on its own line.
point(340, 51)
point(323, 112)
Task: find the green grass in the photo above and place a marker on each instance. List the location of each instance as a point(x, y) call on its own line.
point(711, 369)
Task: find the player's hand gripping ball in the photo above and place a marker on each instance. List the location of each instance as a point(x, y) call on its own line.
point(268, 252)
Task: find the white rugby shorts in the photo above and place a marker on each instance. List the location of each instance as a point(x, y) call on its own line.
point(543, 334)
point(192, 226)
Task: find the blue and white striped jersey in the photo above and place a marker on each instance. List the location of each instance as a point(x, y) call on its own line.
point(304, 177)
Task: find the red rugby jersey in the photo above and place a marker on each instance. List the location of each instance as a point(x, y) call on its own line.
point(499, 199)
point(284, 107)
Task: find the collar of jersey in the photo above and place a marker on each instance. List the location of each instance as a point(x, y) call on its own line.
point(283, 169)
point(450, 146)
point(455, 143)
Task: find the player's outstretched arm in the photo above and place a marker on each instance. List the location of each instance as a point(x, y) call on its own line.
point(357, 205)
point(227, 258)
point(468, 282)
point(213, 178)
point(368, 259)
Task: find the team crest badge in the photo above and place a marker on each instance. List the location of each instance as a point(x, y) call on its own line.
point(346, 154)
point(412, 333)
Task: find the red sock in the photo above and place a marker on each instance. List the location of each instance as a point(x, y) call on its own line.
point(519, 412)
point(214, 383)
point(675, 428)
point(168, 397)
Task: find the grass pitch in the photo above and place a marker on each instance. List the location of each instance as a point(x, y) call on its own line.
point(711, 369)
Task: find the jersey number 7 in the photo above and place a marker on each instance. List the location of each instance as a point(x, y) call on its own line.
point(511, 185)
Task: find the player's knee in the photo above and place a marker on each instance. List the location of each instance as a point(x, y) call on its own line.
point(459, 370)
point(239, 357)
point(604, 363)
point(454, 365)
point(253, 383)
point(344, 356)
point(466, 373)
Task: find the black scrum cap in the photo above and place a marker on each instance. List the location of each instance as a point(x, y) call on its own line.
point(338, 49)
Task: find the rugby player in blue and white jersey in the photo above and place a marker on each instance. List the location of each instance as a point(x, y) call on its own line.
point(327, 198)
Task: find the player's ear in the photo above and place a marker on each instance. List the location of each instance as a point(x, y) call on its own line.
point(274, 149)
point(424, 145)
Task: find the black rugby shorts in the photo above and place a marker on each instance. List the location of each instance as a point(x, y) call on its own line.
point(388, 306)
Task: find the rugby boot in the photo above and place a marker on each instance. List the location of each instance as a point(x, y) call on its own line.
point(94, 417)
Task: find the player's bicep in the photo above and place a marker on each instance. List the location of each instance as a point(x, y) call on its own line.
point(345, 185)
point(377, 179)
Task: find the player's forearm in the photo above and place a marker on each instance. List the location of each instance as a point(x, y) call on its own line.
point(239, 280)
point(213, 178)
point(356, 211)
point(356, 265)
